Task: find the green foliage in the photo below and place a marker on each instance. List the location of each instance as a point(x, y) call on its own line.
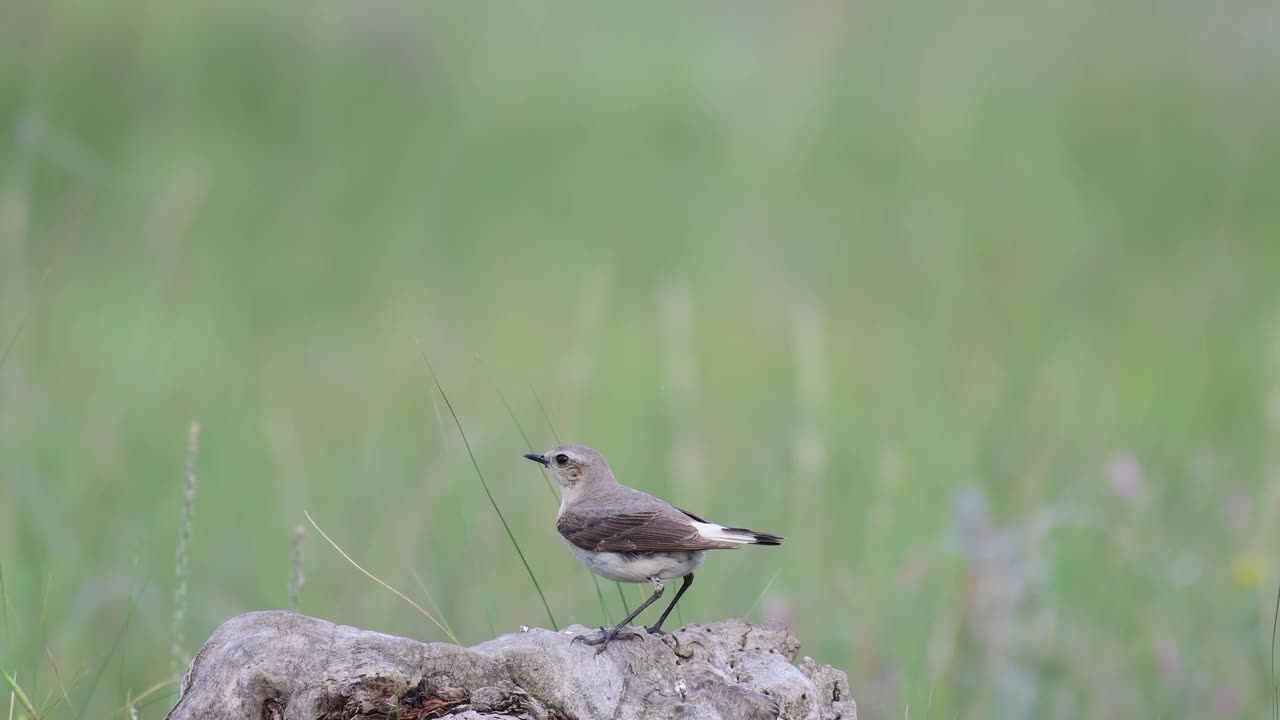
point(975, 303)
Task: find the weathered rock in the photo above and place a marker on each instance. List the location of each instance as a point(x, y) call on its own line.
point(278, 665)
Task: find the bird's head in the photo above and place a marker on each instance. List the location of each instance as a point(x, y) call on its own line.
point(574, 464)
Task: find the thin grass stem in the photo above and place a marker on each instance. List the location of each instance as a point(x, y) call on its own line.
point(764, 591)
point(57, 677)
point(13, 340)
point(142, 696)
point(1275, 688)
point(519, 428)
point(621, 596)
point(115, 645)
point(431, 600)
point(378, 580)
point(545, 416)
point(4, 601)
point(604, 608)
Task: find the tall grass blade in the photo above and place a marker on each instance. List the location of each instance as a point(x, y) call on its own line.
point(520, 429)
point(378, 580)
point(551, 488)
point(467, 444)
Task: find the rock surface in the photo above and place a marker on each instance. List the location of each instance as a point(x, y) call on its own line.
point(278, 665)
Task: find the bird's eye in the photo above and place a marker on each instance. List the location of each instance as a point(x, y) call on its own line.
point(562, 459)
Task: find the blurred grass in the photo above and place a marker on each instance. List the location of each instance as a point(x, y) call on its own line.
point(976, 303)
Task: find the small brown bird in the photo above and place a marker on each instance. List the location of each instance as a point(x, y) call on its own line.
point(630, 536)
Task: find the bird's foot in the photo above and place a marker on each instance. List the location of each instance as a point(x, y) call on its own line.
point(656, 630)
point(602, 640)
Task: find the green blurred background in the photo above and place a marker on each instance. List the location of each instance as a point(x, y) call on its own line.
point(976, 303)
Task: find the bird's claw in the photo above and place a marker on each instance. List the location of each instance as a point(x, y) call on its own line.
point(620, 635)
point(655, 630)
point(588, 641)
point(602, 641)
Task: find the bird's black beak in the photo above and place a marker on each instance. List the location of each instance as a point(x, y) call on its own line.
point(538, 458)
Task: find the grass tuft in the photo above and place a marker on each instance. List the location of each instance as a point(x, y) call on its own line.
point(132, 703)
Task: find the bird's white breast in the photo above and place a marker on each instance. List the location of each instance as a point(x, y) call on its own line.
point(639, 567)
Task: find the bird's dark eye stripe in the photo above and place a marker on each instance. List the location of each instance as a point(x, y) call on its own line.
point(561, 459)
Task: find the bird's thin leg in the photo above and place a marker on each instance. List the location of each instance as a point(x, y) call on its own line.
point(616, 631)
point(657, 627)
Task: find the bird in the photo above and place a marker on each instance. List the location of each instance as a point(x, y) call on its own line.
point(626, 535)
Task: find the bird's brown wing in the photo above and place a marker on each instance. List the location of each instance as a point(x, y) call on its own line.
point(644, 531)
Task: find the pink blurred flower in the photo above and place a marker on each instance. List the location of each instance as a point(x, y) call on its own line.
point(913, 571)
point(1169, 658)
point(1236, 508)
point(1124, 474)
point(1226, 703)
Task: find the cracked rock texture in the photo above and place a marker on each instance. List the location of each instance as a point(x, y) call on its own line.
point(278, 665)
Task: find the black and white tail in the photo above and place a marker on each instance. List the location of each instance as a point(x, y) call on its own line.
point(740, 536)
